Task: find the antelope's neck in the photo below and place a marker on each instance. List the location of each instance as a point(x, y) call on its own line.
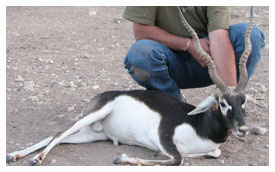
point(213, 126)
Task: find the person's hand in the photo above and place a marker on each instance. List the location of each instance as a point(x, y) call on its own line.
point(205, 46)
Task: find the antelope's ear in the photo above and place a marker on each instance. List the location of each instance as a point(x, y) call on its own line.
point(204, 105)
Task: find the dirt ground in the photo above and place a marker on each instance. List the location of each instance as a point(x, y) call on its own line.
point(59, 57)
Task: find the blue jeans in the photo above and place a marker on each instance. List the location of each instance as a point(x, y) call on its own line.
point(157, 67)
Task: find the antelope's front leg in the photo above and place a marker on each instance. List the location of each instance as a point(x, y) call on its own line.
point(124, 159)
point(214, 154)
point(37, 159)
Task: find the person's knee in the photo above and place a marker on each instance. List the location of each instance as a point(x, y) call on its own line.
point(143, 54)
point(138, 52)
point(237, 35)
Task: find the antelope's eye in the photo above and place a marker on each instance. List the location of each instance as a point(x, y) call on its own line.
point(222, 104)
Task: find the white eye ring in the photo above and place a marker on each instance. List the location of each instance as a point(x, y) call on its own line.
point(224, 106)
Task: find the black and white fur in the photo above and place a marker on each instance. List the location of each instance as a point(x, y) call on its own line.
point(153, 120)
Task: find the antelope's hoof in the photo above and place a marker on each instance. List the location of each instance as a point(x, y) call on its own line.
point(215, 154)
point(157, 153)
point(120, 159)
point(33, 162)
point(9, 159)
point(117, 160)
point(210, 157)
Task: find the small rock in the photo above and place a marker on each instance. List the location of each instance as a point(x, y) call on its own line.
point(53, 161)
point(79, 80)
point(263, 89)
point(41, 60)
point(72, 89)
point(100, 49)
point(253, 90)
point(261, 104)
point(45, 37)
point(84, 84)
point(49, 61)
point(222, 161)
point(262, 156)
point(29, 144)
point(29, 85)
point(95, 87)
point(60, 116)
point(251, 99)
point(78, 77)
point(19, 79)
point(254, 112)
point(67, 84)
point(33, 98)
point(69, 109)
point(92, 13)
point(64, 68)
point(260, 98)
point(86, 55)
point(266, 146)
point(256, 130)
point(252, 163)
point(62, 83)
point(16, 34)
point(115, 20)
point(86, 100)
point(71, 84)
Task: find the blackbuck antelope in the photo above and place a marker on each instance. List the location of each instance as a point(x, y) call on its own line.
point(159, 122)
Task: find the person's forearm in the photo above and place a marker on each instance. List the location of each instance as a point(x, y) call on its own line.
point(155, 33)
point(223, 55)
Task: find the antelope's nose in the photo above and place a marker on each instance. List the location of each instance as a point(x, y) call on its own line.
point(243, 129)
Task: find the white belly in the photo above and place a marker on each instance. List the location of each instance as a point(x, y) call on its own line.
point(133, 123)
point(188, 142)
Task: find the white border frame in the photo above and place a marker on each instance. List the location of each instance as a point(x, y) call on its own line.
point(126, 3)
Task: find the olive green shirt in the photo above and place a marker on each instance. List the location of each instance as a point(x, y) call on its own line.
point(202, 19)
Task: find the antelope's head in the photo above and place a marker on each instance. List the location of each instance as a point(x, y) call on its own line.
point(231, 101)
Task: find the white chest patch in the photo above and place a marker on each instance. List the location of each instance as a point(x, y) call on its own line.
point(188, 142)
point(132, 122)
